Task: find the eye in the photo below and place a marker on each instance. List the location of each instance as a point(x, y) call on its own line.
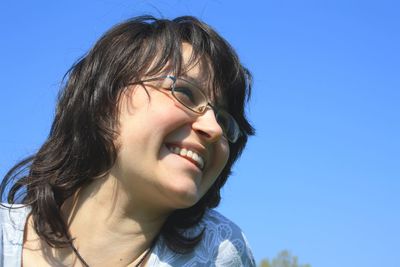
point(185, 94)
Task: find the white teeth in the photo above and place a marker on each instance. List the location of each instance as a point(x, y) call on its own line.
point(188, 153)
point(197, 158)
point(201, 161)
point(183, 152)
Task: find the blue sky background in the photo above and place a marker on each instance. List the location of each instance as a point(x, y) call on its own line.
point(321, 178)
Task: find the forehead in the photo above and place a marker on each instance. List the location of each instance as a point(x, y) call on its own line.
point(193, 67)
point(199, 72)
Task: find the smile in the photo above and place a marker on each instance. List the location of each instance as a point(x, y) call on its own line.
point(188, 154)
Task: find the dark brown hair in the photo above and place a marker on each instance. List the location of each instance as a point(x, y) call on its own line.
point(80, 145)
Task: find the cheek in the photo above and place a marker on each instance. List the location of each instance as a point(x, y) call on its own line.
point(221, 158)
point(163, 115)
point(223, 153)
point(155, 117)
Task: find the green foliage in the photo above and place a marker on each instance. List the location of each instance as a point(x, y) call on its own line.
point(283, 259)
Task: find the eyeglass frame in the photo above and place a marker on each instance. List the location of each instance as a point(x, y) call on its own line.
point(200, 112)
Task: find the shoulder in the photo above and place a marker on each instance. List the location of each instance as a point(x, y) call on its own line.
point(12, 223)
point(223, 244)
point(229, 240)
point(13, 214)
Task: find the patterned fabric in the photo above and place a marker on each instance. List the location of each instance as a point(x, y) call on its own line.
point(12, 224)
point(223, 243)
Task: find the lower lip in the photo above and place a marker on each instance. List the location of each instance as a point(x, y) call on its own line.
point(186, 159)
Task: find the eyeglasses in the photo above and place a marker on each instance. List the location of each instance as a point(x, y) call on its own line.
point(193, 98)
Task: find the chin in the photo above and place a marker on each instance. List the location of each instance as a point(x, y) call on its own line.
point(182, 198)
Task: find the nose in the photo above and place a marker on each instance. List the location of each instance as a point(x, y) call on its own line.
point(207, 127)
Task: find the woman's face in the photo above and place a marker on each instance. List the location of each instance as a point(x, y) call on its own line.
point(157, 143)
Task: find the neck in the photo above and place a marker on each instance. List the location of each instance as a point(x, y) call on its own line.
point(101, 214)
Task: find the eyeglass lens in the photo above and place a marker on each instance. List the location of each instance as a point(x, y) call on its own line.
point(194, 99)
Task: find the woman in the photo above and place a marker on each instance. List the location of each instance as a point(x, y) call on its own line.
point(147, 128)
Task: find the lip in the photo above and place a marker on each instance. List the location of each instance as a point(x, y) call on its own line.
point(199, 149)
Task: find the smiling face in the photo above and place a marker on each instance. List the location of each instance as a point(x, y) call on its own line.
point(167, 155)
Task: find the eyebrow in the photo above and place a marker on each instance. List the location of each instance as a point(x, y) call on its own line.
point(192, 81)
point(195, 82)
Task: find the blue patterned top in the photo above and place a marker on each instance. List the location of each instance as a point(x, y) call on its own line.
point(223, 243)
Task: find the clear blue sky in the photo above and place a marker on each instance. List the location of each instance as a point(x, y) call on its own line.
point(322, 176)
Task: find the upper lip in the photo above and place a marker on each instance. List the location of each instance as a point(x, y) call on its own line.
point(195, 147)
